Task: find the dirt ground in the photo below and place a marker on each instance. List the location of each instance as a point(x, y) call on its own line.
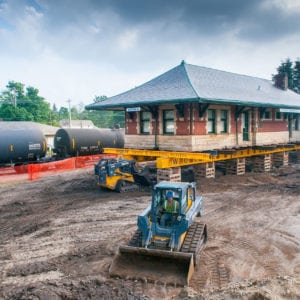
point(59, 235)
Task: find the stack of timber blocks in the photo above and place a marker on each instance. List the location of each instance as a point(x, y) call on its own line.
point(169, 174)
point(236, 166)
point(221, 165)
point(280, 159)
point(206, 170)
point(294, 157)
point(262, 163)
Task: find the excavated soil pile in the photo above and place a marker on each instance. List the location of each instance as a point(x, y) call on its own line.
point(59, 235)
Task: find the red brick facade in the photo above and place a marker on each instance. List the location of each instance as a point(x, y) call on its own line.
point(191, 128)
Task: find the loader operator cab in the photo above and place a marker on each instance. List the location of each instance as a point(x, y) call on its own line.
point(167, 205)
point(155, 252)
point(169, 208)
point(183, 196)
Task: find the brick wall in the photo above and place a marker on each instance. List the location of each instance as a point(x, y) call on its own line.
point(272, 126)
point(262, 132)
point(182, 127)
point(131, 123)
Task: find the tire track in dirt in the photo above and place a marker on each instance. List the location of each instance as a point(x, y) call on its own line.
point(212, 270)
point(224, 245)
point(61, 237)
point(35, 247)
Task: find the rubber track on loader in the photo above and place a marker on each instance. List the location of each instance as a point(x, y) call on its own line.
point(195, 240)
point(136, 240)
point(124, 186)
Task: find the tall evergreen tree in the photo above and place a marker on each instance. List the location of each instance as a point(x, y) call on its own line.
point(296, 76)
point(286, 68)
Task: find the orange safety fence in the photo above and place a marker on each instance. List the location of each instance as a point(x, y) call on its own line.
point(36, 171)
point(90, 160)
point(13, 174)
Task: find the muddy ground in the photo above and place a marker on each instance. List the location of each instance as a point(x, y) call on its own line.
point(58, 236)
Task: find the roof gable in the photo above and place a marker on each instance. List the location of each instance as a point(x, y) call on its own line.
point(171, 86)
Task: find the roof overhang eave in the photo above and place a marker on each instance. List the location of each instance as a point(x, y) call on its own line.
point(103, 107)
point(123, 106)
point(247, 103)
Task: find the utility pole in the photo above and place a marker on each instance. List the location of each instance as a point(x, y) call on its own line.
point(14, 98)
point(69, 101)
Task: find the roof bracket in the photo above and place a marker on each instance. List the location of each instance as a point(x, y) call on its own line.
point(180, 109)
point(239, 110)
point(202, 109)
point(153, 110)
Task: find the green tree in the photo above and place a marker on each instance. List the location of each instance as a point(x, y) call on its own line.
point(36, 105)
point(63, 113)
point(296, 76)
point(292, 70)
point(54, 108)
point(13, 94)
point(75, 114)
point(286, 68)
point(20, 105)
point(9, 112)
point(101, 118)
point(99, 98)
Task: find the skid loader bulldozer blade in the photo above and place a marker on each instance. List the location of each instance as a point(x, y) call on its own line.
point(152, 265)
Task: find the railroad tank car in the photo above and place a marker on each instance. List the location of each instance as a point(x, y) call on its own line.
point(84, 141)
point(21, 145)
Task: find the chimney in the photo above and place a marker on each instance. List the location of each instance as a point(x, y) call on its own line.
point(281, 81)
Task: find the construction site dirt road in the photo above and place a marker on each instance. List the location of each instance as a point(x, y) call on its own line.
point(59, 235)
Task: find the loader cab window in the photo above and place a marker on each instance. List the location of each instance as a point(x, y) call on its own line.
point(189, 199)
point(174, 193)
point(170, 208)
point(161, 196)
point(157, 201)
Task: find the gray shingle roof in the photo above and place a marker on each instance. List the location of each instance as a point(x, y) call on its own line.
point(190, 83)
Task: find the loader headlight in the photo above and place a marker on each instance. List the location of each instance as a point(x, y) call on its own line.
point(179, 218)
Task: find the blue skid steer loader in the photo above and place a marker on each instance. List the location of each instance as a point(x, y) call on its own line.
point(167, 244)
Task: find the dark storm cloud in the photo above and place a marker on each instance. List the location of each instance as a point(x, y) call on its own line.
point(270, 24)
point(188, 12)
point(73, 48)
point(249, 20)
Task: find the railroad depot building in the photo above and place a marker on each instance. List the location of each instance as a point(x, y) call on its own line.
point(192, 108)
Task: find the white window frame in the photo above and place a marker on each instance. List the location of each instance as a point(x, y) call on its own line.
point(168, 122)
point(224, 122)
point(212, 121)
point(145, 122)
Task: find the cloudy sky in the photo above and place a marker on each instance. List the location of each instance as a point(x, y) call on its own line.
point(77, 49)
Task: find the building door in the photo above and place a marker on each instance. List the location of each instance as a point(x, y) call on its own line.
point(246, 126)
